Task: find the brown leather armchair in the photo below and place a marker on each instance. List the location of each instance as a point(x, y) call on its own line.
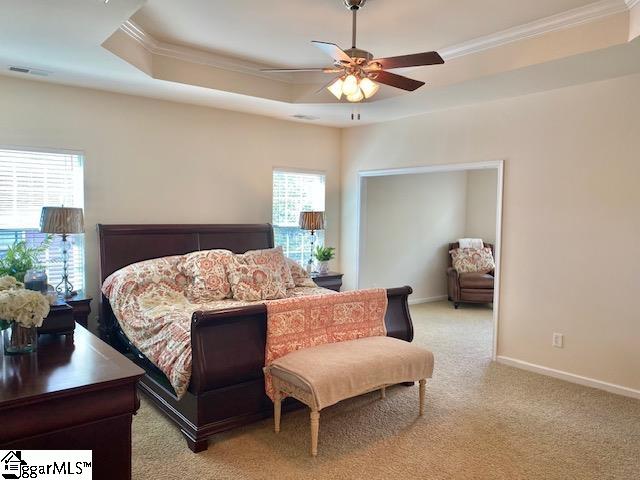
point(469, 287)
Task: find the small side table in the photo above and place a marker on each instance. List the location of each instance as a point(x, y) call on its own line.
point(330, 280)
point(60, 320)
point(81, 304)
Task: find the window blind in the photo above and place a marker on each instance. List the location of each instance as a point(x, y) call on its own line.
point(295, 192)
point(30, 180)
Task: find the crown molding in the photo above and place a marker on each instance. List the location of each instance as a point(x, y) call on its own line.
point(202, 57)
point(571, 18)
point(560, 21)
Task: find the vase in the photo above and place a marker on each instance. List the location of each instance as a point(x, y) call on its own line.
point(19, 340)
point(323, 267)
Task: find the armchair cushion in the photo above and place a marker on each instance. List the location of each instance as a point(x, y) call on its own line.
point(476, 280)
point(472, 260)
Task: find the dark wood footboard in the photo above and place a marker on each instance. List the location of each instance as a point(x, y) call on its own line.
point(228, 346)
point(227, 383)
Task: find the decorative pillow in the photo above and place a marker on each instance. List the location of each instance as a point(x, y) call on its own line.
point(273, 259)
point(255, 282)
point(157, 270)
point(472, 260)
point(300, 276)
point(207, 271)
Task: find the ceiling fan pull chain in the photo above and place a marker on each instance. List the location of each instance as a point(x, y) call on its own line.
point(355, 112)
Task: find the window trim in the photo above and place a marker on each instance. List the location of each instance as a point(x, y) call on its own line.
point(52, 150)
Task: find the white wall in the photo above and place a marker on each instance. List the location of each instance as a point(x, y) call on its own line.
point(409, 221)
point(152, 161)
point(482, 199)
point(570, 215)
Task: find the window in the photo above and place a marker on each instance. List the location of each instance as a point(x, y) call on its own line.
point(29, 181)
point(295, 192)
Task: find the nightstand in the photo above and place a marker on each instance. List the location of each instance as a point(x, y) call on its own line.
point(81, 305)
point(330, 280)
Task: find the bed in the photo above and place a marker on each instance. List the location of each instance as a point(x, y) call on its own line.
point(228, 346)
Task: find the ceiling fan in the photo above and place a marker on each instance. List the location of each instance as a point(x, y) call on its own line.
point(359, 73)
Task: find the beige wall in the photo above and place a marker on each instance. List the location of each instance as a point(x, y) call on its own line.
point(408, 224)
point(150, 161)
point(570, 193)
point(482, 199)
point(571, 201)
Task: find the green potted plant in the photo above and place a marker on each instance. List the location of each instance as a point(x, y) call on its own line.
point(323, 255)
point(19, 258)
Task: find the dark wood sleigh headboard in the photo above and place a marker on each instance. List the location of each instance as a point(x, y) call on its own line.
point(122, 245)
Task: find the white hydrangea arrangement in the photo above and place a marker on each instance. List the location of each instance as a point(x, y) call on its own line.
point(25, 307)
point(9, 283)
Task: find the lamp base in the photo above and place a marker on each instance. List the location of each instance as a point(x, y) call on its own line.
point(65, 288)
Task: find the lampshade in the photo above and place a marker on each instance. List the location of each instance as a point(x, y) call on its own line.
point(356, 97)
point(368, 87)
point(350, 85)
point(61, 220)
point(336, 88)
point(312, 220)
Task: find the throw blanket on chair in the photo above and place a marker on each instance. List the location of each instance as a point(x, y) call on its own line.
point(296, 323)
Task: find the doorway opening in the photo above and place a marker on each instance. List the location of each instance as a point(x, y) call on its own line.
point(408, 218)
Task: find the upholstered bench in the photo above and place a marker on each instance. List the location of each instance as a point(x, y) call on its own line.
point(326, 374)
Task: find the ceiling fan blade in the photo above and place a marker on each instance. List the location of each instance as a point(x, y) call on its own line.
point(397, 81)
point(415, 60)
point(333, 51)
point(289, 70)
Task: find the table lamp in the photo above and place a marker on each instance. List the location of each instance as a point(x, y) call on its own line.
point(311, 221)
point(63, 221)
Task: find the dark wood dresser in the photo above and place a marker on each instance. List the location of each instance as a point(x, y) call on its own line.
point(75, 393)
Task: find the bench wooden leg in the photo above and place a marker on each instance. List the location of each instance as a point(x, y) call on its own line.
point(315, 427)
point(423, 384)
point(277, 409)
point(383, 393)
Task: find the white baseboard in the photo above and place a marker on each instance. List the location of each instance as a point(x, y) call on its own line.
point(569, 377)
point(415, 301)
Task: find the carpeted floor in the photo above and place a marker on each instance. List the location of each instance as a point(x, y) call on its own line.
point(483, 421)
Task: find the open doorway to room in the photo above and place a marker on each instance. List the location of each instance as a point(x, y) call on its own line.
point(412, 219)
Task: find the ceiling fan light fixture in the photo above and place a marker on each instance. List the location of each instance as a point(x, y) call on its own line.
point(368, 87)
point(357, 96)
point(336, 88)
point(350, 85)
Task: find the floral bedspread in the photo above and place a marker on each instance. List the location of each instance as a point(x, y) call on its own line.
point(148, 300)
point(307, 321)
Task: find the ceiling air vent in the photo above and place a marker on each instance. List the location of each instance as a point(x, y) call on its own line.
point(305, 117)
point(31, 71)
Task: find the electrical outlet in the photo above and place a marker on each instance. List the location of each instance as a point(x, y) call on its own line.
point(557, 340)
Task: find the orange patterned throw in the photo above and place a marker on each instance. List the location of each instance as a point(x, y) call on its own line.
point(297, 323)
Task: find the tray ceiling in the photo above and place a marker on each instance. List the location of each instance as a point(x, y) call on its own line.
point(277, 32)
point(209, 52)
